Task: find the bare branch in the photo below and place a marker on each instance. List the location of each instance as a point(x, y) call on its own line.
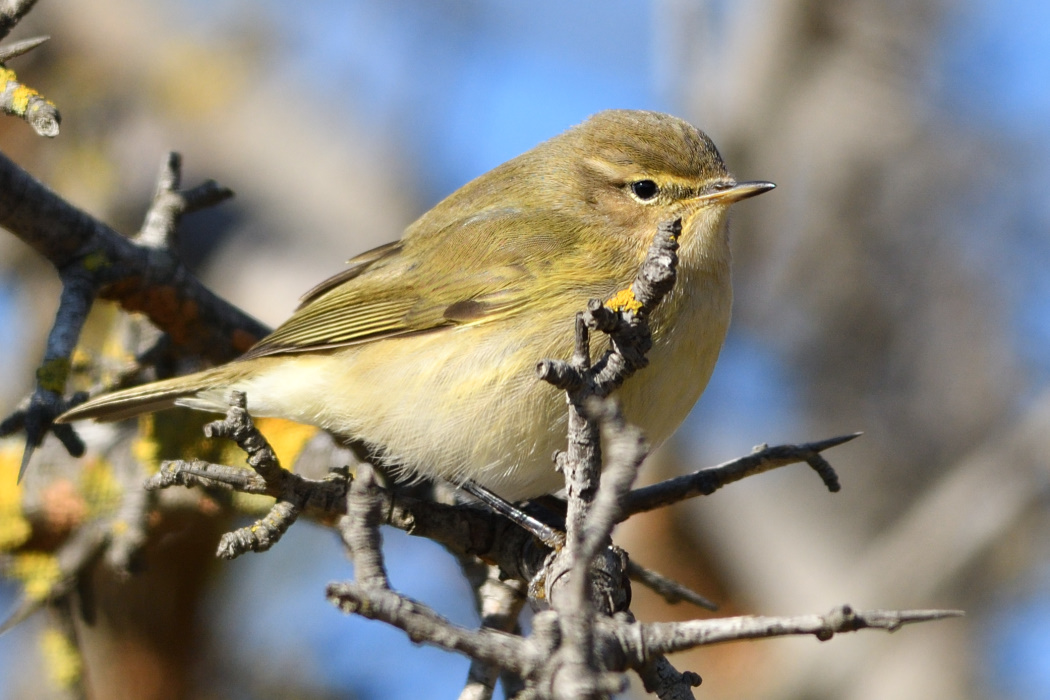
point(596, 582)
point(660, 677)
point(210, 476)
point(704, 482)
point(668, 589)
point(22, 101)
point(264, 533)
point(668, 637)
point(500, 604)
point(421, 624)
point(70, 561)
point(129, 525)
point(93, 260)
point(360, 529)
point(169, 204)
point(131, 274)
point(47, 402)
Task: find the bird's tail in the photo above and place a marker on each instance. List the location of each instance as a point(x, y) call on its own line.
point(146, 398)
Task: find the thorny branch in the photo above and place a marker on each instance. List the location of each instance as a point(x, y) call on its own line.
point(74, 559)
point(578, 647)
point(142, 274)
point(17, 99)
point(706, 481)
point(569, 657)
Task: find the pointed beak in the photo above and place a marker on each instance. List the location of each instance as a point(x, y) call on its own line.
point(735, 193)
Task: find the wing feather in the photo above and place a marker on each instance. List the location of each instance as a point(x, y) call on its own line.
point(388, 291)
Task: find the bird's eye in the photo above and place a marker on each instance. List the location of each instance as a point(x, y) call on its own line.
point(645, 190)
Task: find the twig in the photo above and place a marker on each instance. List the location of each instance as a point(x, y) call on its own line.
point(17, 99)
point(293, 494)
point(207, 475)
point(62, 651)
point(265, 532)
point(422, 624)
point(360, 529)
point(592, 512)
point(500, 603)
point(669, 637)
point(668, 589)
point(660, 677)
point(47, 402)
point(160, 225)
point(128, 526)
point(71, 560)
point(93, 260)
point(704, 482)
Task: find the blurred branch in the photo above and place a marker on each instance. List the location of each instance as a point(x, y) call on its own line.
point(500, 604)
point(52, 577)
point(144, 278)
point(17, 99)
point(141, 275)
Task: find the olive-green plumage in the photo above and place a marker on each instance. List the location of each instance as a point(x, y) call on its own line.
point(425, 348)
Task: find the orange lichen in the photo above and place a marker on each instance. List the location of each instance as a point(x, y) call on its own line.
point(100, 487)
point(38, 572)
point(63, 505)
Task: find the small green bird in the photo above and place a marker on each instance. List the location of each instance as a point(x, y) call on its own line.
point(426, 348)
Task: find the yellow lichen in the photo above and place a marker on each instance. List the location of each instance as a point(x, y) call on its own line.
point(38, 572)
point(95, 261)
point(52, 374)
point(20, 99)
point(624, 300)
point(14, 528)
point(63, 659)
point(100, 487)
point(144, 447)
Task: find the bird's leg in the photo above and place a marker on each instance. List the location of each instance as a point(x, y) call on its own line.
point(552, 537)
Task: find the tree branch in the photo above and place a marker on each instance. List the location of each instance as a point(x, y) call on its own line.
point(669, 637)
point(704, 482)
point(142, 275)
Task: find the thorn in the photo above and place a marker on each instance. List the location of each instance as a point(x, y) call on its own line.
point(822, 445)
point(22, 611)
point(27, 455)
point(20, 47)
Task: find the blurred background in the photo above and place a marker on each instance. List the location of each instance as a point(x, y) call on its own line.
point(896, 283)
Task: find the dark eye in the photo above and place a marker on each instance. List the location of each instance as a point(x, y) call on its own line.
point(645, 189)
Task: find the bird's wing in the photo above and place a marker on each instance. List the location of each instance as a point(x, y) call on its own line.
point(489, 261)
